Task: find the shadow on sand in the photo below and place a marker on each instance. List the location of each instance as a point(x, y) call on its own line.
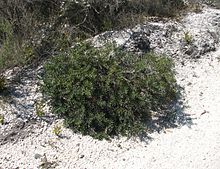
point(173, 116)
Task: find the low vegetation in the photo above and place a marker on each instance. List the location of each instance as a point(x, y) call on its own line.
point(33, 30)
point(106, 92)
point(188, 39)
point(39, 108)
point(101, 92)
point(13, 52)
point(57, 130)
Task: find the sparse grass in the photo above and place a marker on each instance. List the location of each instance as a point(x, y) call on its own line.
point(39, 108)
point(2, 119)
point(188, 38)
point(13, 51)
point(57, 130)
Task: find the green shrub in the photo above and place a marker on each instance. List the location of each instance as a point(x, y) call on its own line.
point(105, 92)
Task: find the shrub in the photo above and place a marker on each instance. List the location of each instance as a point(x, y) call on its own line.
point(41, 28)
point(106, 92)
point(93, 17)
point(27, 24)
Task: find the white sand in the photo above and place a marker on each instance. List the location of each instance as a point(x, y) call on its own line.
point(195, 147)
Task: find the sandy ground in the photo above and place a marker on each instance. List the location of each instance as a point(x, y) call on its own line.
point(188, 147)
point(195, 145)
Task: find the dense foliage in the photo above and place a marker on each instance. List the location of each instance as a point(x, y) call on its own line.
point(100, 92)
point(41, 28)
point(106, 92)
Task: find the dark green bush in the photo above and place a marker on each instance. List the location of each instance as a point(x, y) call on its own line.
point(105, 92)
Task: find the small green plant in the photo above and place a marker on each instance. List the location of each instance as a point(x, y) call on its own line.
point(2, 119)
point(107, 91)
point(57, 130)
point(39, 108)
point(188, 37)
